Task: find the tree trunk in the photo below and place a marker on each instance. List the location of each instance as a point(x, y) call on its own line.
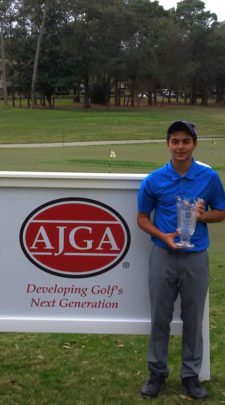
point(13, 96)
point(219, 91)
point(193, 97)
point(86, 91)
point(133, 83)
point(204, 98)
point(124, 93)
point(37, 55)
point(117, 95)
point(108, 91)
point(4, 83)
point(150, 92)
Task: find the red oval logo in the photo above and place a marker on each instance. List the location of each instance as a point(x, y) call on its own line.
point(75, 237)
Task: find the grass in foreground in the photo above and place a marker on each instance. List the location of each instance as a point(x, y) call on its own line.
point(79, 369)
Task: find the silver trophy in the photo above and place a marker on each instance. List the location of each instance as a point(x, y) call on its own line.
point(186, 221)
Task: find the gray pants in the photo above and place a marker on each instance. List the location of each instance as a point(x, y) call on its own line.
point(173, 272)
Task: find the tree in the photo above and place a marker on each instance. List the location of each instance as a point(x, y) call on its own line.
point(44, 7)
point(173, 54)
point(198, 23)
point(102, 46)
point(92, 41)
point(216, 46)
point(140, 49)
point(4, 6)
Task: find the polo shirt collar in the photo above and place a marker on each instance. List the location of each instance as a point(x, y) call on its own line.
point(189, 175)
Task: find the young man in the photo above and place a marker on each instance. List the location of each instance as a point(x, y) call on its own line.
point(176, 270)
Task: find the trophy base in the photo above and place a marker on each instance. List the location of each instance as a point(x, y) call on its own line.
point(185, 245)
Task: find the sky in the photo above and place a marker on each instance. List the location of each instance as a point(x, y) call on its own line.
point(215, 6)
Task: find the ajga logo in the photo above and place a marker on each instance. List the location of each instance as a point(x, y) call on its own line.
point(75, 237)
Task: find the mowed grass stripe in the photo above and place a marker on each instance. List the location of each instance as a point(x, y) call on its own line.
point(43, 125)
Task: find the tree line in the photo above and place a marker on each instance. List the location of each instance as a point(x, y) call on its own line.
point(110, 50)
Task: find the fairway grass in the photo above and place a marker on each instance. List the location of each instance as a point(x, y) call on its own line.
point(133, 158)
point(34, 126)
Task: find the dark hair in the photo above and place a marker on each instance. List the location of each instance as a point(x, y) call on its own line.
point(185, 126)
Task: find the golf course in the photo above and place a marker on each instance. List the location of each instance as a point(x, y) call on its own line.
point(76, 369)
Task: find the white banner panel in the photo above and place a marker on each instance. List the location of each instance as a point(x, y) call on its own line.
point(73, 258)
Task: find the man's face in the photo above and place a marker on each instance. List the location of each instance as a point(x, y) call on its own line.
point(181, 146)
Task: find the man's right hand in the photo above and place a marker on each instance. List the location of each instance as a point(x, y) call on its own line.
point(145, 223)
point(168, 239)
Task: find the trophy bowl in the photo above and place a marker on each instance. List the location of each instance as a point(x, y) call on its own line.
point(186, 221)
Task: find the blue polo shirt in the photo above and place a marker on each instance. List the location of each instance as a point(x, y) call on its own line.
point(160, 188)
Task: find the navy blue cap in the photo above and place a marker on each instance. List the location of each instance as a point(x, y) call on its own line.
point(183, 125)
